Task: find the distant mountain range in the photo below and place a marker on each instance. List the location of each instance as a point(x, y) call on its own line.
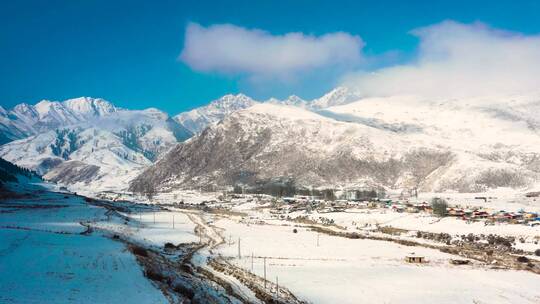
point(338, 140)
point(198, 119)
point(89, 142)
point(86, 141)
point(25, 120)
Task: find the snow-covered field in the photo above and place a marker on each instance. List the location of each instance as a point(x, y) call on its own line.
point(342, 270)
point(168, 227)
point(358, 218)
point(50, 258)
point(497, 199)
point(44, 258)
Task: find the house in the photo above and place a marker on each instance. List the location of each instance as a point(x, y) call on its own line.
point(372, 205)
point(533, 194)
point(480, 214)
point(412, 209)
point(415, 259)
point(288, 200)
point(397, 208)
point(456, 212)
point(422, 206)
point(530, 215)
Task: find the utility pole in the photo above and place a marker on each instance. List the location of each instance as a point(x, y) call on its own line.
point(277, 288)
point(239, 255)
point(154, 216)
point(173, 221)
point(318, 239)
point(264, 272)
point(251, 261)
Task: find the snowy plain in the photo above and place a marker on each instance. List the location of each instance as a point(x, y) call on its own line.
point(45, 256)
point(342, 270)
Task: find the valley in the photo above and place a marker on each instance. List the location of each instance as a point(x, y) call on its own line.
point(247, 249)
point(280, 201)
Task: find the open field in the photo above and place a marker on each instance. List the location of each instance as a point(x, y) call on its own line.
point(47, 256)
point(81, 251)
point(366, 271)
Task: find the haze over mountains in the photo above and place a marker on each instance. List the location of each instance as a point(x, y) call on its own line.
point(338, 140)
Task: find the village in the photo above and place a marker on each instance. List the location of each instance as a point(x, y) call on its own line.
point(468, 212)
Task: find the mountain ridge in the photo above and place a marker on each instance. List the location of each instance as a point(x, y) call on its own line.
point(393, 142)
point(89, 141)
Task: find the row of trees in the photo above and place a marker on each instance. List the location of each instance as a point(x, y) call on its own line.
point(9, 172)
point(288, 188)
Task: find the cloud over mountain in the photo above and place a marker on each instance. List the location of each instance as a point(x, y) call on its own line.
point(457, 60)
point(230, 49)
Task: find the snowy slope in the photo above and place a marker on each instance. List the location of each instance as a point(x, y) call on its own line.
point(25, 120)
point(76, 155)
point(336, 97)
point(14, 178)
point(398, 142)
point(267, 143)
point(465, 145)
point(495, 139)
point(329, 269)
point(47, 257)
point(292, 100)
point(198, 119)
point(104, 148)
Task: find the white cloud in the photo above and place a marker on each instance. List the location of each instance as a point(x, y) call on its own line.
point(230, 49)
point(457, 60)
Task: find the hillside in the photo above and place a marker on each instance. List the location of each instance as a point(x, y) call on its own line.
point(101, 147)
point(399, 142)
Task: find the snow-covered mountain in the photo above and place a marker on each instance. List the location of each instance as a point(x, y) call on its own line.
point(340, 139)
point(89, 142)
point(465, 145)
point(292, 100)
point(25, 120)
point(336, 97)
point(198, 119)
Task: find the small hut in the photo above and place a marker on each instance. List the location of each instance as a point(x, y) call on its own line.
point(412, 258)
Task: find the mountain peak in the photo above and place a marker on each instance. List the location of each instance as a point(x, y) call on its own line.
point(233, 99)
point(230, 103)
point(282, 110)
point(156, 113)
point(336, 97)
point(45, 106)
point(198, 119)
point(292, 100)
point(88, 106)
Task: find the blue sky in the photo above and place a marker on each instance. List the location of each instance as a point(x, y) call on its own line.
point(128, 51)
